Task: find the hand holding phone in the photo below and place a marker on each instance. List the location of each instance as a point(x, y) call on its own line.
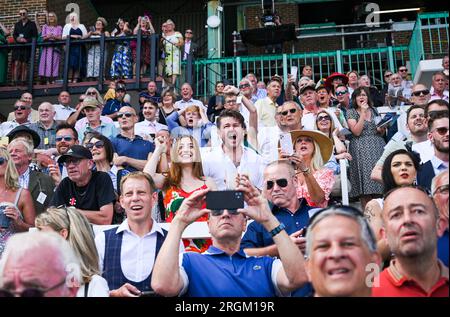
point(294, 70)
point(226, 199)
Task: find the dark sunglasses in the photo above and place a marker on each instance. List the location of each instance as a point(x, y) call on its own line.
point(99, 144)
point(189, 32)
point(421, 92)
point(285, 113)
point(402, 70)
point(22, 13)
point(3, 160)
point(282, 182)
point(66, 138)
point(387, 75)
point(21, 108)
point(126, 114)
point(243, 86)
point(324, 118)
point(30, 292)
point(91, 93)
point(219, 212)
point(442, 130)
point(341, 93)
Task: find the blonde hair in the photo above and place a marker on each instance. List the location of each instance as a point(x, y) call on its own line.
point(98, 98)
point(80, 236)
point(11, 174)
point(332, 126)
point(316, 160)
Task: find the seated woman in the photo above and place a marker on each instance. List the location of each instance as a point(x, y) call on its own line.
point(16, 205)
point(185, 177)
point(311, 150)
point(399, 169)
point(73, 226)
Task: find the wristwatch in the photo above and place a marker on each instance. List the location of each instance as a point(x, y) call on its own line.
point(277, 230)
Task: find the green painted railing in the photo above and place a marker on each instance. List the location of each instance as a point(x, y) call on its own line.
point(370, 61)
point(429, 38)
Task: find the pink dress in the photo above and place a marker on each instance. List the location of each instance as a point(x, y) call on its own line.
point(325, 179)
point(50, 55)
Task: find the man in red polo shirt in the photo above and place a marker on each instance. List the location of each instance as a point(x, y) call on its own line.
point(412, 227)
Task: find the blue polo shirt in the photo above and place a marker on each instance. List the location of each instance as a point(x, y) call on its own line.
point(257, 237)
point(216, 274)
point(112, 106)
point(442, 248)
point(136, 148)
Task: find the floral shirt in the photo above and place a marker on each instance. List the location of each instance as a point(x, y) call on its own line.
point(325, 179)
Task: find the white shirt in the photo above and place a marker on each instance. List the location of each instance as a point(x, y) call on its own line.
point(98, 287)
point(6, 127)
point(268, 138)
point(144, 128)
point(63, 112)
point(137, 255)
point(425, 149)
point(24, 179)
point(181, 104)
point(187, 47)
point(438, 165)
point(221, 168)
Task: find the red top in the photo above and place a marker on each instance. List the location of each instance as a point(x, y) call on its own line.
point(394, 284)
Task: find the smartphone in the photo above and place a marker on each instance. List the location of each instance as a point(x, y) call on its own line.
point(286, 143)
point(239, 99)
point(224, 199)
point(148, 294)
point(294, 70)
point(304, 231)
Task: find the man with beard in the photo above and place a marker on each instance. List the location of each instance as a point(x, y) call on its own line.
point(224, 162)
point(148, 128)
point(411, 226)
point(438, 135)
point(91, 192)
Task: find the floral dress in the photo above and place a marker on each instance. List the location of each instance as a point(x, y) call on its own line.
point(5, 233)
point(172, 61)
point(172, 201)
point(325, 179)
point(93, 59)
point(121, 61)
point(50, 56)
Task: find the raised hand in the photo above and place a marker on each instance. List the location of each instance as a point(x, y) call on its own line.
point(191, 208)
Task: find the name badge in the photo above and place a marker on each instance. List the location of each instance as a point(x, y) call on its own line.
point(46, 141)
point(41, 198)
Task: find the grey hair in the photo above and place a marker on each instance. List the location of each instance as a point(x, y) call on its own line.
point(52, 107)
point(436, 179)
point(20, 245)
point(366, 231)
point(26, 144)
point(284, 163)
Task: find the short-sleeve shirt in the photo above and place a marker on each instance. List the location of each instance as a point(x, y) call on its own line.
point(394, 284)
point(96, 194)
point(136, 148)
point(216, 274)
point(266, 111)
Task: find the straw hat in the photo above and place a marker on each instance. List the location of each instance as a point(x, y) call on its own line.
point(324, 142)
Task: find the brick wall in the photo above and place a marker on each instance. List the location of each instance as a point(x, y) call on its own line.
point(9, 13)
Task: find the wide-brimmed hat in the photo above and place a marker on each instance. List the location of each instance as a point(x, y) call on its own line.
point(24, 129)
point(77, 151)
point(324, 142)
point(330, 78)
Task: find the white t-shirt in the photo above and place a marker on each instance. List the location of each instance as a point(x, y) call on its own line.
point(98, 287)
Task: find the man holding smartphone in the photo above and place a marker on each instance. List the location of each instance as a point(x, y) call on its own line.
point(213, 273)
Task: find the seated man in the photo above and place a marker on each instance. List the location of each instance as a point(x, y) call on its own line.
point(225, 270)
point(112, 106)
point(342, 253)
point(91, 192)
point(37, 264)
point(149, 126)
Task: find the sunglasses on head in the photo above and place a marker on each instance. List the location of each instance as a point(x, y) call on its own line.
point(243, 86)
point(99, 144)
point(341, 93)
point(66, 138)
point(124, 114)
point(20, 108)
point(421, 92)
point(285, 113)
point(323, 118)
point(31, 291)
point(219, 212)
point(91, 93)
point(282, 182)
point(3, 160)
point(441, 130)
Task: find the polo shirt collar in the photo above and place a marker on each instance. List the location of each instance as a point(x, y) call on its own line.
point(398, 279)
point(125, 227)
point(136, 137)
point(303, 204)
point(212, 250)
point(41, 125)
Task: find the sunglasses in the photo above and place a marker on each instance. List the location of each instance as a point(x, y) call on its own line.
point(21, 108)
point(443, 190)
point(402, 70)
point(219, 212)
point(387, 75)
point(3, 160)
point(124, 114)
point(66, 138)
point(243, 86)
point(285, 113)
point(323, 118)
point(74, 161)
point(30, 292)
point(91, 93)
point(421, 92)
point(341, 93)
point(441, 130)
point(99, 144)
point(282, 182)
point(22, 13)
point(189, 32)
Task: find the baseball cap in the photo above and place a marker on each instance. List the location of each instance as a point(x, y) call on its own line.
point(121, 87)
point(90, 103)
point(310, 85)
point(76, 151)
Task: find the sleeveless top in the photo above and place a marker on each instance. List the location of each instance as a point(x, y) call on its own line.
point(5, 234)
point(172, 201)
